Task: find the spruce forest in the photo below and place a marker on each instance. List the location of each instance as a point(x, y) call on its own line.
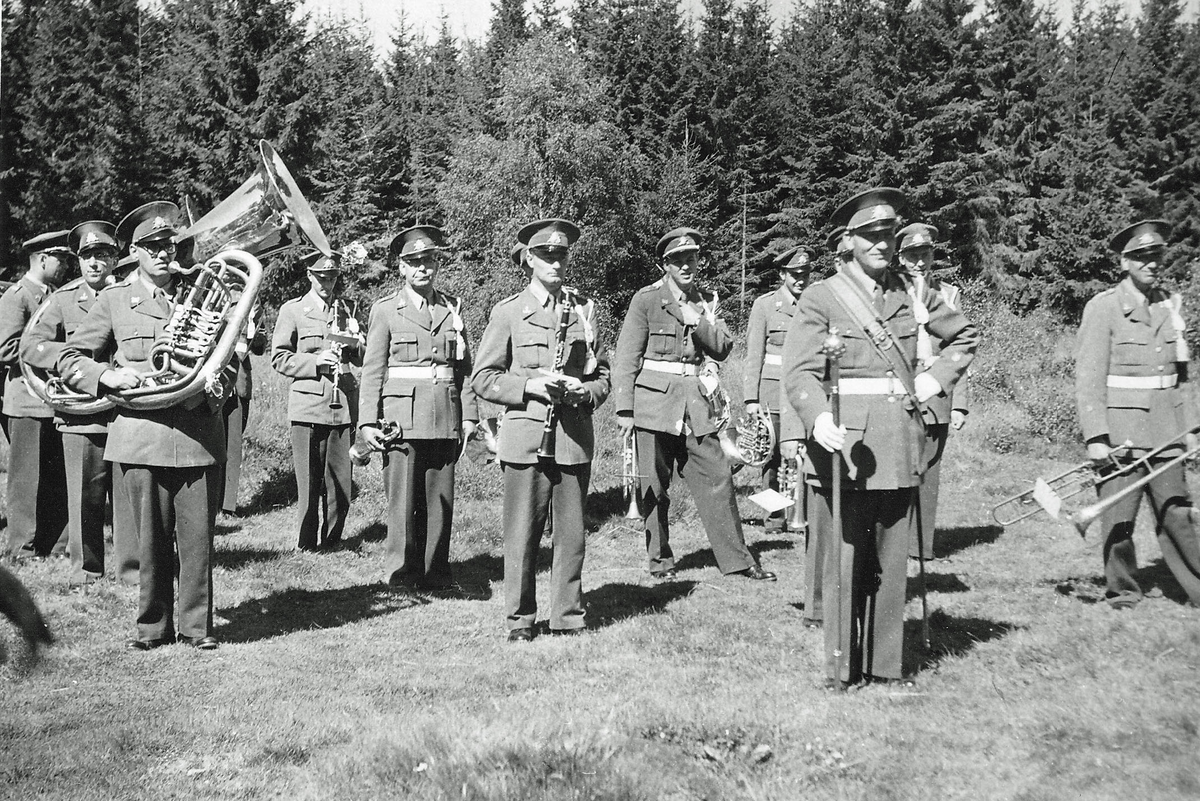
point(1026, 138)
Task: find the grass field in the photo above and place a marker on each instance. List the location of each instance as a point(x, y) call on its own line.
point(328, 686)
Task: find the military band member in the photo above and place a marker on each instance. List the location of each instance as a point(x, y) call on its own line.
point(770, 318)
point(89, 476)
point(253, 340)
point(881, 436)
point(1129, 375)
point(942, 412)
point(37, 517)
point(669, 332)
point(417, 380)
point(541, 359)
point(169, 459)
point(315, 344)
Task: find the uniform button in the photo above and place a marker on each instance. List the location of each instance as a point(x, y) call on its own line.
point(1158, 350)
point(891, 398)
point(1160, 369)
point(890, 373)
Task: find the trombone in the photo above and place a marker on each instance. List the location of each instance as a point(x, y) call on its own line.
point(1088, 514)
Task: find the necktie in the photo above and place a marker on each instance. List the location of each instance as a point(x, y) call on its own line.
point(877, 297)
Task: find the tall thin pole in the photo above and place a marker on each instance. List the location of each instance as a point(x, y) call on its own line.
point(743, 306)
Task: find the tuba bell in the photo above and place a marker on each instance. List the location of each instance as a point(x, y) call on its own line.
point(218, 257)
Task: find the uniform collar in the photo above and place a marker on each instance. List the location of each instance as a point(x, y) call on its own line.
point(539, 293)
point(416, 300)
point(317, 303)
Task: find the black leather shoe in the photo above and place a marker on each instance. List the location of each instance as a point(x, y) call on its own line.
point(566, 632)
point(756, 573)
point(521, 635)
point(145, 645)
point(665, 575)
point(200, 643)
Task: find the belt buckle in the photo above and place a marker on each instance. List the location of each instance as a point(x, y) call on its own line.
point(882, 340)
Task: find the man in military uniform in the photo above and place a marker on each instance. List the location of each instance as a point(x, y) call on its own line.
point(540, 358)
point(84, 437)
point(881, 437)
point(37, 518)
point(416, 382)
point(942, 411)
point(770, 318)
point(1129, 377)
point(252, 340)
point(315, 344)
point(669, 333)
point(169, 459)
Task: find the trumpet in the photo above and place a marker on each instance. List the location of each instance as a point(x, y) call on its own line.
point(792, 486)
point(360, 456)
point(630, 477)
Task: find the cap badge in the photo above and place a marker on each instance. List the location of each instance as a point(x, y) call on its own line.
point(418, 245)
point(686, 242)
point(160, 222)
point(557, 238)
point(91, 238)
point(1146, 239)
point(801, 259)
point(919, 239)
point(879, 213)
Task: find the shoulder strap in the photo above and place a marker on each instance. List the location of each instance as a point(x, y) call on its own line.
point(852, 299)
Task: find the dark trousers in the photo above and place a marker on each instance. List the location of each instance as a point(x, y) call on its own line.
point(771, 474)
point(935, 439)
point(237, 413)
point(530, 492)
point(37, 488)
point(705, 469)
point(870, 581)
point(321, 455)
point(1174, 526)
point(815, 545)
point(419, 478)
point(126, 546)
point(88, 487)
point(174, 511)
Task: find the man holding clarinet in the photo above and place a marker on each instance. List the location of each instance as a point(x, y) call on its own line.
point(540, 359)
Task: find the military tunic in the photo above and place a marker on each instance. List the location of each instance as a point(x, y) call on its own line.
point(655, 380)
point(519, 343)
point(416, 374)
point(90, 479)
point(322, 409)
point(168, 459)
point(883, 459)
point(37, 517)
point(1129, 389)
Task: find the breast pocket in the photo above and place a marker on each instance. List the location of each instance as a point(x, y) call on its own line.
point(1130, 349)
point(663, 338)
point(776, 336)
point(310, 339)
point(404, 347)
point(135, 342)
point(530, 352)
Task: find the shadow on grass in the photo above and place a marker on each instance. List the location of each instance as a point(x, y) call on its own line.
point(603, 506)
point(949, 636)
point(952, 540)
point(372, 532)
point(277, 489)
point(1157, 575)
point(612, 603)
point(705, 558)
point(235, 558)
point(934, 582)
point(300, 610)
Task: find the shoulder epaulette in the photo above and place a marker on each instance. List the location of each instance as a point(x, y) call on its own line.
point(123, 282)
point(389, 296)
point(509, 299)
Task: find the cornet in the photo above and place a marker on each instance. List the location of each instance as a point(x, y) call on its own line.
point(360, 455)
point(630, 479)
point(792, 486)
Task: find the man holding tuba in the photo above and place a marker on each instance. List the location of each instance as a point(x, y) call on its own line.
point(310, 347)
point(669, 332)
point(1129, 375)
point(36, 478)
point(416, 381)
point(90, 479)
point(168, 459)
point(540, 358)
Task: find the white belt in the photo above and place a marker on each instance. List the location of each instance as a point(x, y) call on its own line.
point(1143, 381)
point(870, 386)
point(674, 368)
point(426, 371)
point(773, 358)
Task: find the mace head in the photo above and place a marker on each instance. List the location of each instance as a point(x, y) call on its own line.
point(834, 347)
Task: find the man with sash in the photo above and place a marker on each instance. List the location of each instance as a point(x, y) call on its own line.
point(1130, 373)
point(417, 406)
point(37, 516)
point(316, 342)
point(540, 358)
point(90, 479)
point(169, 459)
point(878, 446)
point(667, 399)
point(942, 411)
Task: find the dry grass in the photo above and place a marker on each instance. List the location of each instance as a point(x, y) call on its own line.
point(329, 686)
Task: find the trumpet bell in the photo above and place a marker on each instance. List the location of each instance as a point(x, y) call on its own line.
point(267, 214)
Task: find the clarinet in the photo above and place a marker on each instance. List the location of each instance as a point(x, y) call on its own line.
point(546, 449)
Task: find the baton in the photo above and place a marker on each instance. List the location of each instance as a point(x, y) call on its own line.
point(833, 347)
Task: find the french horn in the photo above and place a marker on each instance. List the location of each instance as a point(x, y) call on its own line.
point(219, 256)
